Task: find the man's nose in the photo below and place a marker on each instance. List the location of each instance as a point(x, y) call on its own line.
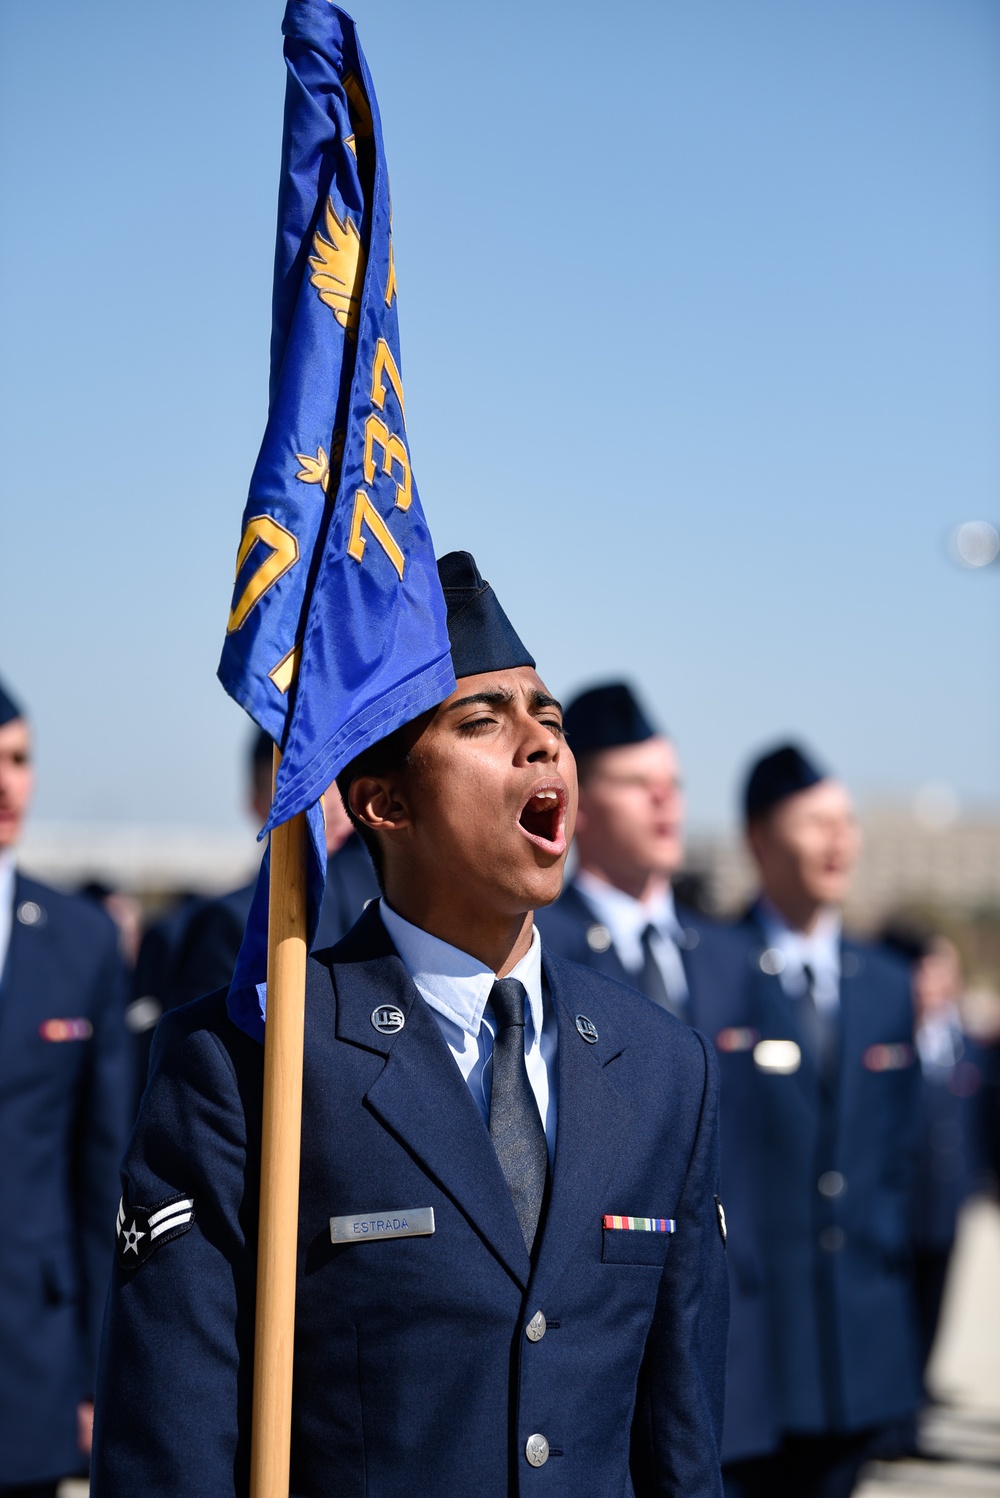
point(540, 744)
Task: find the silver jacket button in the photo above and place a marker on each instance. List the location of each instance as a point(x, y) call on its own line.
point(598, 938)
point(772, 961)
point(831, 1183)
point(536, 1327)
point(536, 1449)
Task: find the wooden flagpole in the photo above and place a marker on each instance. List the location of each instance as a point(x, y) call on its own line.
point(271, 1433)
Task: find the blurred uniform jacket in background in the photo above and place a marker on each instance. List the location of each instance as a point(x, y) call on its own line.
point(66, 1090)
point(836, 1205)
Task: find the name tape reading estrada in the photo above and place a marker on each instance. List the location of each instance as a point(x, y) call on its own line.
point(416, 1222)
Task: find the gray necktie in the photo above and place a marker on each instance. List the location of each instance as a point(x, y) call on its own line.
point(515, 1123)
point(819, 1028)
point(651, 977)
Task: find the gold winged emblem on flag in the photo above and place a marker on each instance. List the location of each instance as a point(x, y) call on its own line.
point(338, 268)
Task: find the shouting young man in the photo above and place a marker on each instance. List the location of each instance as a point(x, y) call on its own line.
point(511, 1259)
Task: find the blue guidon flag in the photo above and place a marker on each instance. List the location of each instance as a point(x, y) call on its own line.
point(337, 632)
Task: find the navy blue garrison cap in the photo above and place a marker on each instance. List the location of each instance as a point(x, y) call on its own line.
point(261, 751)
point(606, 717)
point(776, 776)
point(482, 637)
point(9, 709)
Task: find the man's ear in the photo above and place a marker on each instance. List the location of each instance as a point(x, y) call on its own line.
point(378, 804)
point(756, 838)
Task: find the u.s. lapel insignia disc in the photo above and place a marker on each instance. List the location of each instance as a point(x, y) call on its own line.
point(387, 1019)
point(587, 1029)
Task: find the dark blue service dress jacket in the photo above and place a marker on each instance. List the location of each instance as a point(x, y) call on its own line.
point(414, 1373)
point(65, 1092)
point(715, 968)
point(837, 1194)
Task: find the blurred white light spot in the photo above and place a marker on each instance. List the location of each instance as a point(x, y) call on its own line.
point(976, 543)
point(936, 806)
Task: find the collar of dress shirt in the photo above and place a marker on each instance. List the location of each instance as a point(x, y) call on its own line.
point(7, 876)
point(939, 1040)
point(820, 949)
point(627, 918)
point(455, 983)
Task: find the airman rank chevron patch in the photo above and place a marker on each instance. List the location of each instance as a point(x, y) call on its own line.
point(141, 1229)
point(614, 1223)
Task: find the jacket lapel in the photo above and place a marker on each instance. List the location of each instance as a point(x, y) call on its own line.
point(601, 958)
point(594, 1123)
point(23, 945)
point(420, 1095)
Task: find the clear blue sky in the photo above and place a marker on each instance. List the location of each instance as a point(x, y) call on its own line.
point(700, 320)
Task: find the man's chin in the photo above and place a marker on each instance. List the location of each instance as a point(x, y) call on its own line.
point(665, 859)
point(829, 891)
point(545, 887)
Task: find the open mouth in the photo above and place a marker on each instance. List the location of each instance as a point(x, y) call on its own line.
point(542, 818)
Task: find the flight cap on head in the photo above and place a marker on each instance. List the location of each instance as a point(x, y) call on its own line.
point(606, 717)
point(776, 776)
point(9, 709)
point(482, 637)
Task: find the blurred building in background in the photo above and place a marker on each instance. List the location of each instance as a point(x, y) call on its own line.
point(153, 862)
point(922, 859)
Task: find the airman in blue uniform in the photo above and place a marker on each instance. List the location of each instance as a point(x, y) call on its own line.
point(512, 1271)
point(618, 917)
point(65, 1092)
point(837, 1091)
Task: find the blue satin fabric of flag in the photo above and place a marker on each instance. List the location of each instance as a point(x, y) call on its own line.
point(337, 631)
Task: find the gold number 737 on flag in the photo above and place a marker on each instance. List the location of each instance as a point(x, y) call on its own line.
point(365, 513)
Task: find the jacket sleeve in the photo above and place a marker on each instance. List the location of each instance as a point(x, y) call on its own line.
point(173, 1393)
point(103, 1122)
point(677, 1430)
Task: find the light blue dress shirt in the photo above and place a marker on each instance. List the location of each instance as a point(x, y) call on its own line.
point(819, 950)
point(627, 918)
point(456, 987)
point(7, 874)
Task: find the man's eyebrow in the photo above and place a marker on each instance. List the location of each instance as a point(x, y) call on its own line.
point(497, 698)
point(542, 700)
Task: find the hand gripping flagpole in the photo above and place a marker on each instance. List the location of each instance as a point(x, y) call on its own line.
point(281, 1140)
